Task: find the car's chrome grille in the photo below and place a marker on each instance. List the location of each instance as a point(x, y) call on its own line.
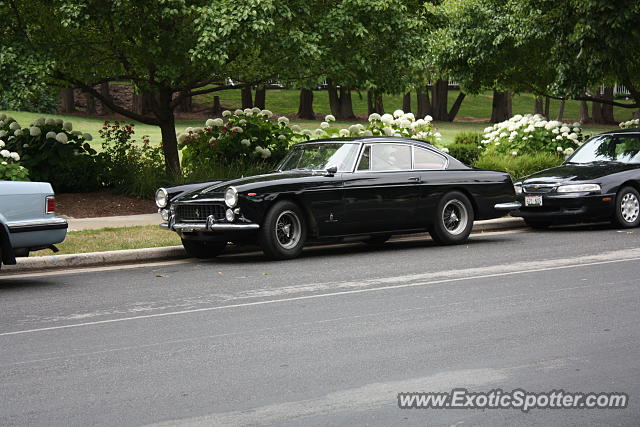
point(199, 212)
point(538, 188)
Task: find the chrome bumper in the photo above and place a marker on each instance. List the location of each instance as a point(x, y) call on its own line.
point(186, 227)
point(37, 225)
point(508, 206)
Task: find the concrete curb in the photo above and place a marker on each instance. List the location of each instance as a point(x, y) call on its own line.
point(177, 252)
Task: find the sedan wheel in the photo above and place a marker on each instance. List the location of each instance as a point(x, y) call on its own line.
point(453, 220)
point(283, 232)
point(627, 208)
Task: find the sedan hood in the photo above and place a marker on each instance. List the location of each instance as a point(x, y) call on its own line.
point(218, 188)
point(570, 172)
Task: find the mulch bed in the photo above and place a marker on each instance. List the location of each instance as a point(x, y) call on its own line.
point(101, 203)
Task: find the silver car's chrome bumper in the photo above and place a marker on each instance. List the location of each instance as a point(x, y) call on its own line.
point(508, 206)
point(37, 225)
point(186, 227)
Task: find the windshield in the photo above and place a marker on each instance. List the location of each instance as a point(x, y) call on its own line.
point(609, 148)
point(321, 156)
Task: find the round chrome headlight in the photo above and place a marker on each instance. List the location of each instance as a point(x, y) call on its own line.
point(162, 198)
point(231, 197)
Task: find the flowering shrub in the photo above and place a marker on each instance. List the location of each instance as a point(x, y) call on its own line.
point(54, 152)
point(630, 124)
point(10, 169)
point(244, 136)
point(530, 134)
point(129, 167)
point(398, 124)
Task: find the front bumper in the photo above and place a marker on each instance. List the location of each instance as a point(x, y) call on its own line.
point(192, 227)
point(568, 207)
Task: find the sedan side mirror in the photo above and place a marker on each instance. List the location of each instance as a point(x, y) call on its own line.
point(332, 170)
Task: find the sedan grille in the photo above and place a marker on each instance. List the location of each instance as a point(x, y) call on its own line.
point(538, 188)
point(199, 212)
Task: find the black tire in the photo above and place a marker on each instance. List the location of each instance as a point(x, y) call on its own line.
point(453, 220)
point(538, 224)
point(627, 208)
point(283, 231)
point(378, 239)
point(203, 249)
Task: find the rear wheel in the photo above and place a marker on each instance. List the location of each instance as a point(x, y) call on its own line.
point(203, 249)
point(453, 220)
point(627, 212)
point(283, 232)
point(533, 223)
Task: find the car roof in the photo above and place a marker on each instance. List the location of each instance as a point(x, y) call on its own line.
point(371, 139)
point(617, 131)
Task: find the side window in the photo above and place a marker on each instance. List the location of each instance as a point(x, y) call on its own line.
point(385, 157)
point(364, 159)
point(427, 159)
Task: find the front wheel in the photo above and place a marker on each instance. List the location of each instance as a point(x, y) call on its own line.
point(453, 219)
point(627, 212)
point(283, 231)
point(203, 249)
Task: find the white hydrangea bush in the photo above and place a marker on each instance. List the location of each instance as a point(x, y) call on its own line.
point(631, 124)
point(531, 134)
point(397, 124)
point(10, 167)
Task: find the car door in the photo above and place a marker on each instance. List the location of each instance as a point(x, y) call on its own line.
point(430, 167)
point(382, 193)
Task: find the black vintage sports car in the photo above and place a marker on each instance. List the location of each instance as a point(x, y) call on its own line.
point(329, 189)
point(600, 181)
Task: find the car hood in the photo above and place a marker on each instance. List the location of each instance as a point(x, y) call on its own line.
point(218, 188)
point(568, 173)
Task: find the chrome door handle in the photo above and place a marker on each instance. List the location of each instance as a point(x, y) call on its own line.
point(415, 178)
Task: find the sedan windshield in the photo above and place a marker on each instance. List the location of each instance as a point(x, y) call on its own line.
point(321, 156)
point(609, 148)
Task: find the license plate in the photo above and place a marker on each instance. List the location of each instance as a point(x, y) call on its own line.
point(533, 201)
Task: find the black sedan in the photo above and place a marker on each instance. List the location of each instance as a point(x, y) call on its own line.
point(371, 187)
point(599, 182)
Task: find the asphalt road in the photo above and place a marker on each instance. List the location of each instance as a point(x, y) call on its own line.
point(330, 338)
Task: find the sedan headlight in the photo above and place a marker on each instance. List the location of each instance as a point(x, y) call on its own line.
point(517, 188)
point(578, 188)
point(162, 198)
point(231, 197)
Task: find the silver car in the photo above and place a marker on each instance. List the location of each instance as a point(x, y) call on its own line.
point(27, 219)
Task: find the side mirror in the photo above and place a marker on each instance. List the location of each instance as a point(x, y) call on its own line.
point(332, 171)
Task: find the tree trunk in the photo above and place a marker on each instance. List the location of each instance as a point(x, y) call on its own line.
point(346, 105)
point(91, 103)
point(560, 111)
point(261, 95)
point(247, 97)
point(67, 100)
point(185, 105)
point(440, 99)
point(374, 103)
point(584, 112)
point(500, 106)
point(138, 103)
point(106, 93)
point(424, 106)
point(406, 102)
point(538, 107)
point(596, 109)
point(334, 100)
point(305, 107)
point(547, 107)
point(456, 106)
point(607, 109)
point(170, 146)
point(217, 107)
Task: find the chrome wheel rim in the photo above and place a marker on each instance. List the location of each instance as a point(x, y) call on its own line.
point(455, 216)
point(629, 207)
point(288, 230)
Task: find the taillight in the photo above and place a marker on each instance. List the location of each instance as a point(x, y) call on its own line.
point(51, 204)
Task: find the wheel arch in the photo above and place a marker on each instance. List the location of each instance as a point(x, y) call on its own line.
point(466, 192)
point(312, 226)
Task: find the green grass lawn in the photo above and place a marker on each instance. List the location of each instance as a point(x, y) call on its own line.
point(473, 115)
point(113, 239)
